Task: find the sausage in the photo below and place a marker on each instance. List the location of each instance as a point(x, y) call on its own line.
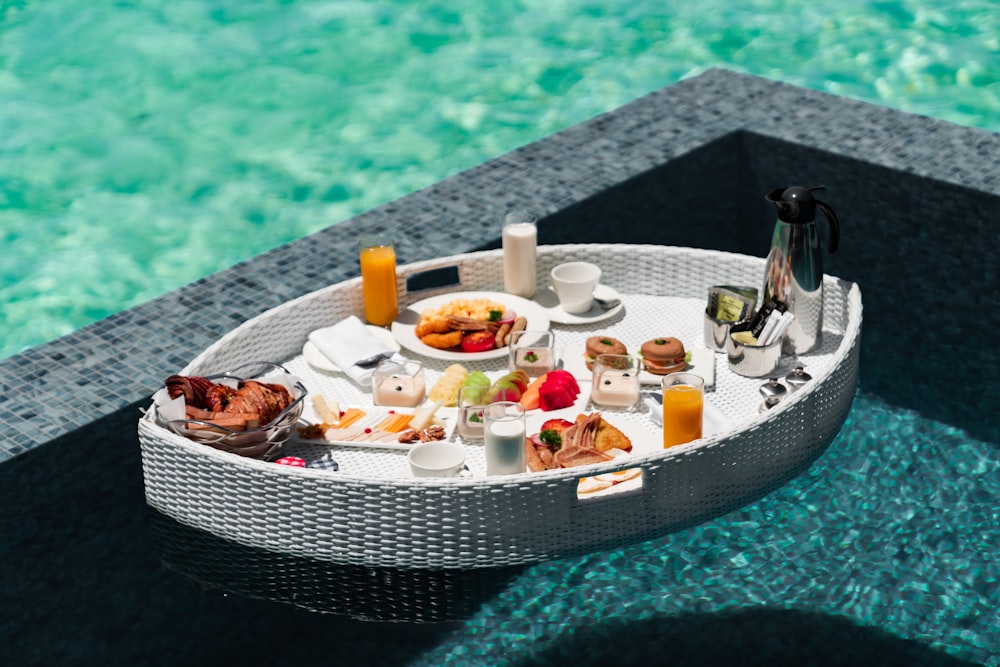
point(547, 459)
point(501, 337)
point(531, 455)
point(520, 324)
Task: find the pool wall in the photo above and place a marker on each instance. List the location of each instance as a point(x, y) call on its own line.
point(687, 165)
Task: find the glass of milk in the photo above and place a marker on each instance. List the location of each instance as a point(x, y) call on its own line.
point(520, 241)
point(615, 383)
point(398, 383)
point(504, 434)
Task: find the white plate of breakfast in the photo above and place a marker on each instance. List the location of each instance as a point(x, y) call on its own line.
point(424, 328)
point(609, 296)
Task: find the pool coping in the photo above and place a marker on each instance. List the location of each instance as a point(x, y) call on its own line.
point(73, 382)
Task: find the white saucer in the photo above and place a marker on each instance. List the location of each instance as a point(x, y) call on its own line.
point(547, 299)
point(321, 362)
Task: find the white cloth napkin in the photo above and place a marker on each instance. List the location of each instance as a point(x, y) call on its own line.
point(714, 420)
point(349, 342)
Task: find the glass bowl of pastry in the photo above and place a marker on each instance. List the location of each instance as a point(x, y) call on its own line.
point(250, 410)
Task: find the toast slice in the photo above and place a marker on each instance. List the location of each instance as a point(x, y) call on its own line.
point(609, 436)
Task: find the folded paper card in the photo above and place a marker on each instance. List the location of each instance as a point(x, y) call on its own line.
point(354, 348)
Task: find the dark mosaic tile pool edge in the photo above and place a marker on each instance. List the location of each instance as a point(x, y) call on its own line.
point(52, 390)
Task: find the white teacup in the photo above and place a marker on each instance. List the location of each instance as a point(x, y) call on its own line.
point(437, 459)
point(574, 283)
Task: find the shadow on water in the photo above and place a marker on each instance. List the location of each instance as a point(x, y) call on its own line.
point(83, 581)
point(745, 637)
point(373, 594)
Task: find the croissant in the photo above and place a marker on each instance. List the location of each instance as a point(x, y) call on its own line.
point(266, 400)
point(194, 389)
point(253, 402)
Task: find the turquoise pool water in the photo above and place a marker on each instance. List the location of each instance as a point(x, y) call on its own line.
point(145, 144)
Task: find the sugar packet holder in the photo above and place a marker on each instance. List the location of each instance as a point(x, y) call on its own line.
point(754, 346)
point(727, 305)
point(770, 323)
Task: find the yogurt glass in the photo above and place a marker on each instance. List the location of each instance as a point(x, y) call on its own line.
point(398, 383)
point(533, 352)
point(615, 383)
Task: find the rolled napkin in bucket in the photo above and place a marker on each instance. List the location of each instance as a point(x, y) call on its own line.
point(354, 349)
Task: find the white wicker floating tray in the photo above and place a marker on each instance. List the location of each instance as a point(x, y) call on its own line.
point(371, 513)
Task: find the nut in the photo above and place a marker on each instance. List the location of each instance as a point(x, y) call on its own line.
point(409, 435)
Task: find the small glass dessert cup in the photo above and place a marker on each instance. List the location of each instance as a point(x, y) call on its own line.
point(615, 382)
point(470, 412)
point(532, 352)
point(398, 383)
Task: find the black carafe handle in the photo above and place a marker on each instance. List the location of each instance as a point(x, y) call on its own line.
point(834, 225)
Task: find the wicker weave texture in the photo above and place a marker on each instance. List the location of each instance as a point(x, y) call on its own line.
point(367, 515)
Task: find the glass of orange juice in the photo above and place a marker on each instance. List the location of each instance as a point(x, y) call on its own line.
point(683, 408)
point(378, 279)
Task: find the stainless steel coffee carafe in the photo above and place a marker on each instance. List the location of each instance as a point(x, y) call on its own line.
point(793, 274)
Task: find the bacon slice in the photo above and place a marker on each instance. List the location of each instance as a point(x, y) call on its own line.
point(470, 324)
point(580, 457)
point(578, 443)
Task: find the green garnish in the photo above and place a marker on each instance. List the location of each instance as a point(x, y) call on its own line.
point(475, 418)
point(605, 341)
point(531, 357)
point(495, 315)
point(660, 341)
point(550, 437)
point(687, 357)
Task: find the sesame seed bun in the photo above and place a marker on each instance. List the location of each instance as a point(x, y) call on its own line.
point(597, 345)
point(663, 355)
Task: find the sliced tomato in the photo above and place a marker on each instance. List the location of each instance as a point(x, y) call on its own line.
point(557, 425)
point(478, 341)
